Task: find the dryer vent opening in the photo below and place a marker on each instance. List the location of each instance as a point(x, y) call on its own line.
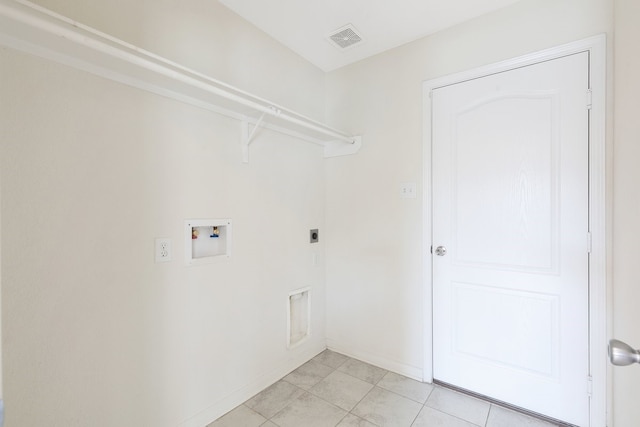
point(298, 317)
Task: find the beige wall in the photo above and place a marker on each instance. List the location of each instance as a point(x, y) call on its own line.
point(626, 207)
point(374, 263)
point(94, 332)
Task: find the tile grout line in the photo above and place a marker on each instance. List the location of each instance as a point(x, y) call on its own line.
point(488, 414)
point(336, 369)
point(288, 403)
point(374, 384)
point(346, 373)
point(360, 401)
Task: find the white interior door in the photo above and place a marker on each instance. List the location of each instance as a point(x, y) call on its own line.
point(510, 206)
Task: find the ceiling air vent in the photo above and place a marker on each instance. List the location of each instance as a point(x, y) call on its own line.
point(345, 37)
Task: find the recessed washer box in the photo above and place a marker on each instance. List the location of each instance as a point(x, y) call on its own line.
point(206, 240)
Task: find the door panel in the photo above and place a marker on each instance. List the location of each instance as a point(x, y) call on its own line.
point(516, 195)
point(525, 345)
point(510, 204)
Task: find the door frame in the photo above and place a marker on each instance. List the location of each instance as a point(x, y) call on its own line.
point(598, 307)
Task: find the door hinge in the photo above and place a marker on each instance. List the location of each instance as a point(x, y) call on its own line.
point(589, 98)
point(589, 243)
point(589, 385)
point(431, 249)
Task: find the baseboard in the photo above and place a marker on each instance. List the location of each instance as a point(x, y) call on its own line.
point(237, 397)
point(377, 360)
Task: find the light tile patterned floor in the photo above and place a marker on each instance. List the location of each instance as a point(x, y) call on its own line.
point(333, 390)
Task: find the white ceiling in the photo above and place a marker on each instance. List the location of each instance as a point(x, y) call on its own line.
point(304, 25)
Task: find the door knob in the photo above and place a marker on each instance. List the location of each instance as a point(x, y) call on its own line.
point(622, 354)
point(441, 251)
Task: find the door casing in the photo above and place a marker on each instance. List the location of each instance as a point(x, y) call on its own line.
point(599, 313)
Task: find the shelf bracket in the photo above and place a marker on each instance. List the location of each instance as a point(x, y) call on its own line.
point(337, 148)
point(255, 128)
point(248, 134)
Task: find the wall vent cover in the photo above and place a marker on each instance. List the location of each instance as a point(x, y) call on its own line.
point(345, 37)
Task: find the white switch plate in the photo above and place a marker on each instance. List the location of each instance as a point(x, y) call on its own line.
point(163, 250)
point(408, 190)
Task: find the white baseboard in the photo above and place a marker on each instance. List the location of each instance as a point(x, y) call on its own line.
point(238, 397)
point(410, 371)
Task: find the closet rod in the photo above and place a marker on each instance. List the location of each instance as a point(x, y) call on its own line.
point(31, 28)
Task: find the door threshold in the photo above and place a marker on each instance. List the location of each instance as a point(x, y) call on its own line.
point(504, 404)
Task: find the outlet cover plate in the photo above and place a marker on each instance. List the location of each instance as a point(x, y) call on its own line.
point(163, 249)
point(408, 190)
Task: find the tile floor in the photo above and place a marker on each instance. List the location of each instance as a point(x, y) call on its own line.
point(334, 390)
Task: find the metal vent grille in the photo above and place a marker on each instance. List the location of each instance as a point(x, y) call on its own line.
point(345, 37)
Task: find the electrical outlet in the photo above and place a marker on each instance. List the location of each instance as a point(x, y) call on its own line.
point(163, 250)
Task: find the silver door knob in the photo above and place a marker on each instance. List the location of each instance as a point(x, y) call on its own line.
point(441, 251)
point(622, 354)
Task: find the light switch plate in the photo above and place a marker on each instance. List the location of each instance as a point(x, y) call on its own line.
point(408, 190)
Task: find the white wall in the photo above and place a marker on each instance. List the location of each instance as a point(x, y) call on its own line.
point(95, 333)
point(91, 171)
point(207, 37)
point(626, 208)
point(1, 364)
point(374, 253)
